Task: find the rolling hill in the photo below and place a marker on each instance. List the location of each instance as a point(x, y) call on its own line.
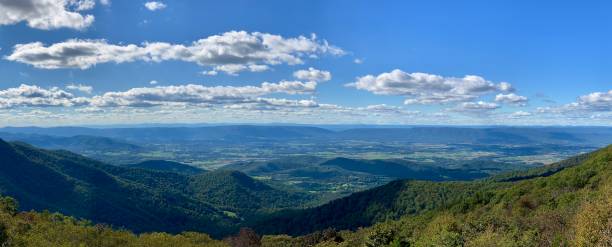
point(566, 204)
point(138, 199)
point(539, 207)
point(340, 176)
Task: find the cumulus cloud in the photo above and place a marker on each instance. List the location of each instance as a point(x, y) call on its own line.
point(234, 69)
point(312, 74)
point(230, 52)
point(480, 105)
point(585, 104)
point(82, 5)
point(520, 114)
point(47, 14)
point(512, 99)
point(153, 82)
point(422, 88)
point(475, 108)
point(597, 101)
point(190, 94)
point(154, 5)
point(105, 2)
point(80, 87)
point(358, 61)
point(198, 94)
point(30, 96)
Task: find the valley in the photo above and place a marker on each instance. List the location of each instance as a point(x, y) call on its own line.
point(305, 157)
point(564, 202)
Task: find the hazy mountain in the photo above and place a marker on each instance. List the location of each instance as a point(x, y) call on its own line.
point(596, 136)
point(78, 143)
point(321, 168)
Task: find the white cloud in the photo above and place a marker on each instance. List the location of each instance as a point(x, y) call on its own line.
point(191, 94)
point(105, 2)
point(585, 104)
point(229, 52)
point(80, 87)
point(82, 5)
point(476, 108)
point(505, 87)
point(313, 74)
point(597, 101)
point(480, 105)
point(520, 114)
point(153, 82)
point(198, 94)
point(234, 69)
point(511, 98)
point(290, 87)
point(47, 14)
point(358, 61)
point(210, 72)
point(154, 5)
point(29, 96)
point(197, 103)
point(422, 88)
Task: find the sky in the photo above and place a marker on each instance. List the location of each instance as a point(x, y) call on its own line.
point(98, 62)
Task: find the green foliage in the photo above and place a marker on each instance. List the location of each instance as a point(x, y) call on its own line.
point(569, 207)
point(52, 229)
point(167, 166)
point(141, 200)
point(236, 192)
point(567, 204)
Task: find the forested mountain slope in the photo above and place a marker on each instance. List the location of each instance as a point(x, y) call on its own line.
point(566, 204)
point(167, 166)
point(569, 206)
point(138, 199)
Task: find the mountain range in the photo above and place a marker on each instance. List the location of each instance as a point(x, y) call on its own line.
point(423, 134)
point(565, 203)
point(141, 199)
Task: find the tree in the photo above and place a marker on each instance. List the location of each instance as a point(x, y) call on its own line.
point(246, 237)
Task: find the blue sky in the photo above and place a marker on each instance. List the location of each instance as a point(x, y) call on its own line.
point(395, 62)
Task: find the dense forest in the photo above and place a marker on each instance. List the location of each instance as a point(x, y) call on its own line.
point(565, 204)
point(570, 205)
point(139, 199)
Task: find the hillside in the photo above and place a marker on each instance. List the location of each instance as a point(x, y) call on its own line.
point(41, 229)
point(341, 176)
point(571, 205)
point(138, 199)
point(401, 169)
point(566, 204)
point(167, 166)
point(234, 191)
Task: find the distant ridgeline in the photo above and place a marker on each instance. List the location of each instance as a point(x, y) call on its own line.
point(239, 133)
point(565, 204)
